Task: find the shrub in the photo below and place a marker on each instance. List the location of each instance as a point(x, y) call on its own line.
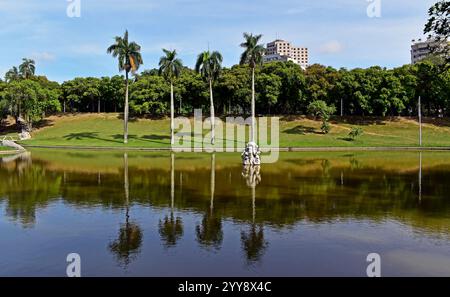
point(355, 132)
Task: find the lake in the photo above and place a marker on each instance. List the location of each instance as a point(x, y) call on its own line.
point(190, 214)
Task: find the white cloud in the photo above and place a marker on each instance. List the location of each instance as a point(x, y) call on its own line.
point(43, 56)
point(331, 47)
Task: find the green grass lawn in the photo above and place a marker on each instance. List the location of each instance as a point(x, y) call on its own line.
point(5, 148)
point(106, 130)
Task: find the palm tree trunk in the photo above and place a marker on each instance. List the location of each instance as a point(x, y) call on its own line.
point(125, 113)
point(252, 137)
point(212, 113)
point(172, 141)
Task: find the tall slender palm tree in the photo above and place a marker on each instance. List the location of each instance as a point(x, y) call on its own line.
point(170, 68)
point(209, 66)
point(253, 56)
point(27, 68)
point(12, 74)
point(129, 56)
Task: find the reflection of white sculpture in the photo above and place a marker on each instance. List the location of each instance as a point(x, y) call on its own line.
point(250, 156)
point(252, 175)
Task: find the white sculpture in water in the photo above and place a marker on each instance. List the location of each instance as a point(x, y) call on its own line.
point(251, 154)
point(24, 135)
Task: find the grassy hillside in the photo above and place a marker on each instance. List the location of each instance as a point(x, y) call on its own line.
point(106, 130)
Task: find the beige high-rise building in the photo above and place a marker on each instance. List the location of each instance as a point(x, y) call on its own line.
point(281, 50)
point(421, 49)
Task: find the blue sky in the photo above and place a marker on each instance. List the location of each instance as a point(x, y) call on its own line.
point(338, 32)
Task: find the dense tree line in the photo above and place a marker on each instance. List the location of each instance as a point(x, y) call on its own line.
point(281, 88)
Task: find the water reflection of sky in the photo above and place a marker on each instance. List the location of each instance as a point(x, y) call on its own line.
point(337, 248)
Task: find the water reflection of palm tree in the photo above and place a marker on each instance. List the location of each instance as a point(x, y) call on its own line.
point(209, 233)
point(253, 241)
point(129, 241)
point(171, 228)
point(420, 177)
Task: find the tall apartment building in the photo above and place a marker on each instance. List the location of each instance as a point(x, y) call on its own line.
point(281, 50)
point(422, 49)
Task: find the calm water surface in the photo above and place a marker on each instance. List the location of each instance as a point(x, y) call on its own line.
point(158, 214)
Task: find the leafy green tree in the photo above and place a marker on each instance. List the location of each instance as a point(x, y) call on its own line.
point(209, 65)
point(234, 89)
point(148, 95)
point(30, 101)
point(170, 67)
point(111, 89)
point(4, 104)
point(321, 110)
point(292, 97)
point(428, 86)
point(92, 92)
point(318, 85)
point(27, 69)
point(129, 56)
point(191, 88)
point(269, 89)
point(438, 27)
point(253, 56)
point(83, 94)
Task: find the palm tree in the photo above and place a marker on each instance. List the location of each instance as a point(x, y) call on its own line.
point(12, 74)
point(129, 56)
point(170, 67)
point(27, 68)
point(209, 66)
point(253, 56)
